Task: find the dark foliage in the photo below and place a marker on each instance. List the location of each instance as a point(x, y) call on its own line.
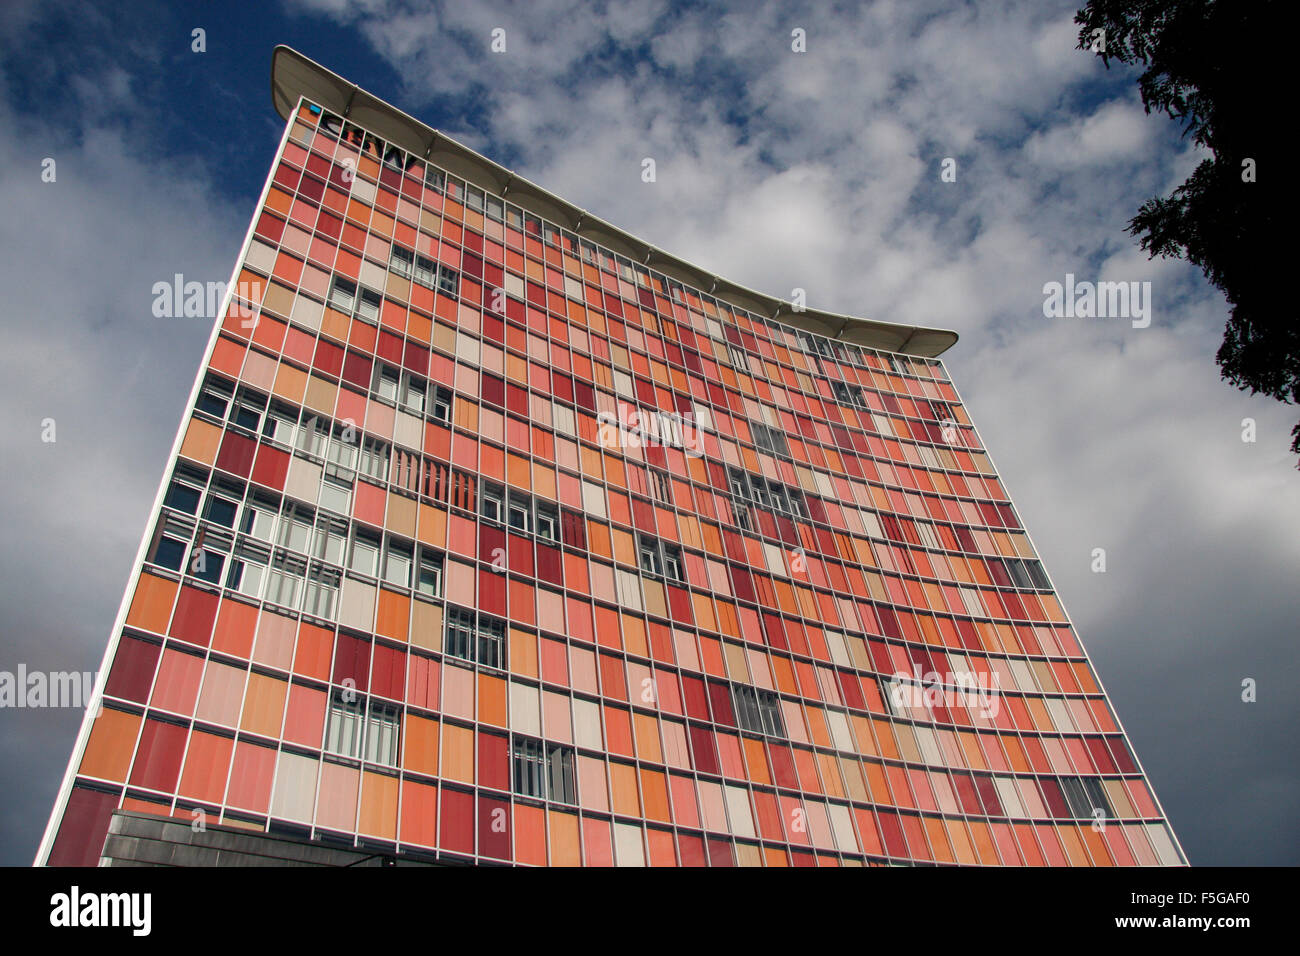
point(1217, 67)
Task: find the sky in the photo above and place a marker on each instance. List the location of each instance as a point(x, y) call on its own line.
point(777, 169)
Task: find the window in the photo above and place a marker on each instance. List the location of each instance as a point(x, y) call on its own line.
point(382, 734)
point(448, 281)
point(259, 517)
point(767, 494)
point(740, 514)
point(368, 306)
point(405, 470)
point(341, 453)
point(426, 272)
point(482, 641)
point(1085, 796)
point(248, 567)
point(336, 494)
point(520, 513)
point(411, 392)
point(441, 407)
point(295, 528)
point(171, 542)
point(348, 718)
point(739, 360)
point(397, 564)
point(208, 556)
point(348, 297)
point(313, 437)
point(758, 711)
point(1026, 574)
point(659, 484)
point(281, 425)
point(387, 382)
point(206, 565)
point(543, 771)
point(847, 394)
point(464, 487)
point(770, 439)
point(798, 507)
point(491, 502)
point(343, 734)
point(343, 294)
point(414, 393)
point(650, 559)
point(214, 397)
point(284, 582)
point(374, 458)
point(401, 261)
point(246, 413)
point(673, 563)
point(548, 526)
point(182, 497)
point(429, 580)
point(365, 553)
point(736, 482)
point(894, 696)
point(816, 344)
point(322, 588)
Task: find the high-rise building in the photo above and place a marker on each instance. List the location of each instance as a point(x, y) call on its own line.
point(493, 534)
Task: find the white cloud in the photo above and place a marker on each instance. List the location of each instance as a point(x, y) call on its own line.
point(1118, 132)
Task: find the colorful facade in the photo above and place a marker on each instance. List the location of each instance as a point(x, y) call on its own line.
point(492, 536)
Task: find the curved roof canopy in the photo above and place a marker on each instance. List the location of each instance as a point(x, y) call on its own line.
point(294, 75)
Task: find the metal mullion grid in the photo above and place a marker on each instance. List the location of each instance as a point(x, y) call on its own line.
point(347, 217)
point(825, 797)
point(280, 357)
point(898, 810)
point(883, 760)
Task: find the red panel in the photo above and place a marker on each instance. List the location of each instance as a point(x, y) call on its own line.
point(134, 664)
point(493, 761)
point(457, 825)
point(236, 454)
point(352, 661)
point(83, 828)
point(388, 672)
point(271, 468)
point(158, 756)
point(494, 825)
point(196, 612)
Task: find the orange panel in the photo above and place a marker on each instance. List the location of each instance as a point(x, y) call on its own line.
point(151, 608)
point(112, 742)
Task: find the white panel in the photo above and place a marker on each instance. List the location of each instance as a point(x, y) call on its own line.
point(357, 606)
point(525, 715)
point(742, 820)
point(586, 724)
point(628, 848)
point(295, 788)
